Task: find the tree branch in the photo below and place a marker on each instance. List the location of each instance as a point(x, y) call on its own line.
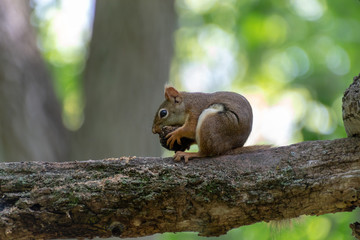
point(131, 197)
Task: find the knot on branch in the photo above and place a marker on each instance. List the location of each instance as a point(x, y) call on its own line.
point(351, 108)
point(355, 229)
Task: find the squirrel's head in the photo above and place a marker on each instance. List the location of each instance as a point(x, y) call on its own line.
point(171, 112)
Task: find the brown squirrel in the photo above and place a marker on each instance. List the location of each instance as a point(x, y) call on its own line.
point(219, 123)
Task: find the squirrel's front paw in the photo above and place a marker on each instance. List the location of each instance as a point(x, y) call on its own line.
point(173, 137)
point(185, 142)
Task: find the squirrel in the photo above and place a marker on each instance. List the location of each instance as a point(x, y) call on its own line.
point(219, 123)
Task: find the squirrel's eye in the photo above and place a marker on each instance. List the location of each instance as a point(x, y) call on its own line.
point(163, 113)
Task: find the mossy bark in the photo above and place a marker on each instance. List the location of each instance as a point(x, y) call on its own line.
point(131, 197)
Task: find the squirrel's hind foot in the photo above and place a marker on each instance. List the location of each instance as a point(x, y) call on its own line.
point(186, 155)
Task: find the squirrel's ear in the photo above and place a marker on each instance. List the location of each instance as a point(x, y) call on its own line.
point(172, 95)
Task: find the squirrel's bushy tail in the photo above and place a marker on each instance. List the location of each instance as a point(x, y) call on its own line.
point(247, 149)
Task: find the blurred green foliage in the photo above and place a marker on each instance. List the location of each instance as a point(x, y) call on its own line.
point(304, 52)
point(325, 227)
point(65, 57)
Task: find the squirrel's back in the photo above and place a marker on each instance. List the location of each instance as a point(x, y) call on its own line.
point(224, 121)
point(233, 101)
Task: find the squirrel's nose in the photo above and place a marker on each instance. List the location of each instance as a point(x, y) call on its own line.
point(156, 129)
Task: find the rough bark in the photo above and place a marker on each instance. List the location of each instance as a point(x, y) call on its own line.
point(30, 118)
point(130, 197)
point(129, 63)
point(355, 229)
point(351, 108)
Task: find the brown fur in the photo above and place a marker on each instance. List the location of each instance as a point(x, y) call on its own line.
point(225, 125)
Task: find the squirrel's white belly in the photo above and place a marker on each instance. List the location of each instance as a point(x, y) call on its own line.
point(213, 109)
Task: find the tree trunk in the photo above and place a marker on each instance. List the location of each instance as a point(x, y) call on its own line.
point(129, 62)
point(142, 196)
point(30, 121)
